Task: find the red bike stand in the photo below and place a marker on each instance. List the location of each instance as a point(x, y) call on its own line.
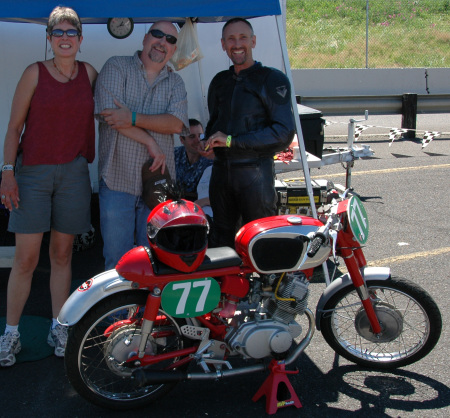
point(278, 374)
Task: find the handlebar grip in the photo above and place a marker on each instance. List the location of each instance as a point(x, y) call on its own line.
point(317, 242)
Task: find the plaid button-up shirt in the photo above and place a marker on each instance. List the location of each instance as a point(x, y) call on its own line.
point(121, 158)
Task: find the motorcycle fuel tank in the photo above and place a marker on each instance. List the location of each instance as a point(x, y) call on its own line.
point(279, 244)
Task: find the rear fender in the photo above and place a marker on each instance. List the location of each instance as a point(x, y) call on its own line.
point(370, 274)
point(91, 292)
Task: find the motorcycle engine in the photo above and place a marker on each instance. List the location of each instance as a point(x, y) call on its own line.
point(294, 287)
point(264, 337)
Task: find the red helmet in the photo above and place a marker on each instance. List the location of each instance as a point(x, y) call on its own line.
point(177, 231)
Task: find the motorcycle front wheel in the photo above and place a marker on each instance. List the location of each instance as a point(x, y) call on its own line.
point(108, 335)
point(410, 320)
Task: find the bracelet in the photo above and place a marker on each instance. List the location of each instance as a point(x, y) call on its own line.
point(228, 143)
point(133, 119)
point(8, 167)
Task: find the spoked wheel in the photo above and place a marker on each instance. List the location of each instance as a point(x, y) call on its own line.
point(107, 336)
point(410, 320)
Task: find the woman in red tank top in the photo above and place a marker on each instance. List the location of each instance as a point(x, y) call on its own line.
point(45, 180)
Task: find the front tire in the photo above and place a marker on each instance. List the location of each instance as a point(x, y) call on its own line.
point(409, 317)
point(107, 336)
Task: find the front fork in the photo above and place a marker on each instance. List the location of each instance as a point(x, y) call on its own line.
point(355, 261)
point(150, 314)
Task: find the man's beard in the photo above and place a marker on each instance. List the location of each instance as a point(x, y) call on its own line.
point(157, 56)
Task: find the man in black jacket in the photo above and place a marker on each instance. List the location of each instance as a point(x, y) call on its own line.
point(251, 119)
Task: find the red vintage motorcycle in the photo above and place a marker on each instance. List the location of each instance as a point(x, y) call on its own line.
point(178, 310)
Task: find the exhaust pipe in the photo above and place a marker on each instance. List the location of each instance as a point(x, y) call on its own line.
point(306, 340)
point(146, 377)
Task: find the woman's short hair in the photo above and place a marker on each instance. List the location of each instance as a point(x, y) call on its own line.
point(63, 14)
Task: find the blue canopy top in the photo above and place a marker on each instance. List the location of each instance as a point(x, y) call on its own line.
point(142, 11)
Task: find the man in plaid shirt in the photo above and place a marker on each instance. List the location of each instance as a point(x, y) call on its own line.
point(140, 103)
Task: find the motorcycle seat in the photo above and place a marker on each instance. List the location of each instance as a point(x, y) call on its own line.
point(215, 258)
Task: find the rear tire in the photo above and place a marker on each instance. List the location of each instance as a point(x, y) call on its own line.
point(410, 319)
point(94, 357)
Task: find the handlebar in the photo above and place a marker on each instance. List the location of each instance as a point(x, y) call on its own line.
point(346, 192)
point(333, 222)
point(320, 237)
point(318, 240)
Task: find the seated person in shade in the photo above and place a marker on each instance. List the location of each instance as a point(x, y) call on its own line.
point(203, 193)
point(203, 196)
point(189, 164)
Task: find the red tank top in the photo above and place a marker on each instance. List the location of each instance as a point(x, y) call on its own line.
point(60, 122)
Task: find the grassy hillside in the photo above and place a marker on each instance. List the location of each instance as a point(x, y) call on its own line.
point(402, 33)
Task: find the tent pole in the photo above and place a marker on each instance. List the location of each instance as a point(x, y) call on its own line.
point(301, 144)
point(205, 113)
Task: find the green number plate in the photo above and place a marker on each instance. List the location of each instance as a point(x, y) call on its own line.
point(190, 298)
point(359, 222)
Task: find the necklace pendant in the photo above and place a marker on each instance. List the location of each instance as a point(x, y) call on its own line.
point(60, 72)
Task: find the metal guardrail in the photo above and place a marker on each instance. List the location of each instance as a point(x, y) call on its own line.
point(377, 105)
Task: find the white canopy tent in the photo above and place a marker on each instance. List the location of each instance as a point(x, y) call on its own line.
point(266, 18)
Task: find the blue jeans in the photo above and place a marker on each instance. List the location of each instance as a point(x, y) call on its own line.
point(123, 222)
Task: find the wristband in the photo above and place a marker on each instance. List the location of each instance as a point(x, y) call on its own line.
point(228, 143)
point(8, 167)
point(133, 119)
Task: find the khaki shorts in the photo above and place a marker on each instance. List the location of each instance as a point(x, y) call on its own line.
point(52, 197)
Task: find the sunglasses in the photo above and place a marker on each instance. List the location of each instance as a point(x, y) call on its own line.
point(156, 33)
point(58, 33)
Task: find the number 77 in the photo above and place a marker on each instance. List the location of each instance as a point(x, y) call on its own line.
point(206, 284)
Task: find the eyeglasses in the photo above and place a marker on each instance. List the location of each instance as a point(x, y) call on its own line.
point(201, 137)
point(58, 33)
point(156, 33)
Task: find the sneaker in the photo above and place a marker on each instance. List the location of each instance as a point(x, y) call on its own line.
point(9, 347)
point(57, 337)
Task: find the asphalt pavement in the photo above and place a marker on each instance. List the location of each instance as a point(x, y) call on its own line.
point(405, 191)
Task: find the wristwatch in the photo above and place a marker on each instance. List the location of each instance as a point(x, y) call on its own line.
point(8, 167)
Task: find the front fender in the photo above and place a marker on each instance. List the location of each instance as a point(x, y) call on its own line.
point(370, 274)
point(90, 293)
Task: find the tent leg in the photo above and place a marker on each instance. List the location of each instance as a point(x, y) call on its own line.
point(301, 143)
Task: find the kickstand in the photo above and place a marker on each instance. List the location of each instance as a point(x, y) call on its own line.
point(271, 388)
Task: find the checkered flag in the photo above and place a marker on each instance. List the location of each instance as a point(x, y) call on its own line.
point(359, 129)
point(396, 133)
point(428, 137)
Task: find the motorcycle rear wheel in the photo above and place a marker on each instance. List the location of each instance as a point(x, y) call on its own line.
point(99, 343)
point(410, 319)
